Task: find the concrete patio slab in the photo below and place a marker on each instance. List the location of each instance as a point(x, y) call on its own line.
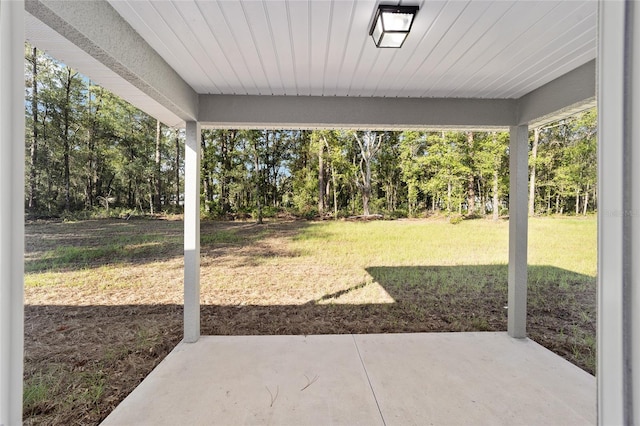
point(286, 380)
point(425, 378)
point(474, 378)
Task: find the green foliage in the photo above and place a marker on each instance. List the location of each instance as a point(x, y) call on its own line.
point(88, 149)
point(308, 213)
point(456, 219)
point(36, 393)
point(566, 166)
point(305, 189)
point(91, 154)
point(398, 214)
point(94, 385)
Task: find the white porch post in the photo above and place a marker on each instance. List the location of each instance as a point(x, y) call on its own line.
point(518, 176)
point(619, 213)
point(192, 233)
point(11, 210)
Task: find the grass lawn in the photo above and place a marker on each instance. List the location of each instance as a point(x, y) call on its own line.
point(103, 297)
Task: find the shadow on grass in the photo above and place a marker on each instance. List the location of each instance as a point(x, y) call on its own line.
point(104, 352)
point(561, 304)
point(561, 308)
point(62, 246)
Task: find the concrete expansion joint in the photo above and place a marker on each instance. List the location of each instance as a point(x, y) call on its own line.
point(364, 367)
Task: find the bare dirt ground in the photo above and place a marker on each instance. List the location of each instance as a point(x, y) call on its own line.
point(103, 303)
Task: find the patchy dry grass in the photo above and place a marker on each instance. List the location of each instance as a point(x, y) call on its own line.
point(103, 298)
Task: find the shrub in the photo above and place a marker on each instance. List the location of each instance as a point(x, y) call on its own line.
point(455, 219)
point(398, 214)
point(308, 213)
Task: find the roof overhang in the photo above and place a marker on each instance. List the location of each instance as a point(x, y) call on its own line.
point(96, 40)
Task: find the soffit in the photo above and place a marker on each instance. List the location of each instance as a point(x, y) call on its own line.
point(458, 48)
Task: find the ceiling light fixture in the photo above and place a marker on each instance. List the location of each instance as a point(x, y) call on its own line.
point(392, 24)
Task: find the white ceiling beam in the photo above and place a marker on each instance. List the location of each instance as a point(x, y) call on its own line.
point(568, 94)
point(96, 28)
point(316, 112)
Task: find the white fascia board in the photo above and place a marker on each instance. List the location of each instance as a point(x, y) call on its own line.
point(97, 29)
point(319, 112)
point(567, 95)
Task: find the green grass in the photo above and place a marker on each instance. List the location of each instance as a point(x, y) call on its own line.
point(406, 243)
point(564, 243)
point(87, 284)
point(567, 243)
point(36, 392)
point(427, 263)
point(78, 245)
point(221, 237)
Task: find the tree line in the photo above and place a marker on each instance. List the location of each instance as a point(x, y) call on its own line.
point(89, 152)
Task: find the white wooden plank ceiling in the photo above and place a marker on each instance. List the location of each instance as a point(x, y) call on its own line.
point(457, 48)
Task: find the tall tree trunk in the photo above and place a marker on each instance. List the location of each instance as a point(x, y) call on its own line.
point(496, 182)
point(335, 193)
point(33, 173)
point(532, 177)
point(369, 147)
point(259, 178)
point(366, 188)
point(327, 193)
point(496, 200)
point(586, 201)
point(333, 180)
point(366, 196)
point(131, 201)
point(471, 191)
point(46, 149)
point(449, 189)
point(225, 148)
point(157, 180)
point(411, 191)
point(207, 184)
point(151, 197)
point(66, 142)
point(91, 172)
point(321, 189)
point(483, 196)
point(93, 182)
point(577, 202)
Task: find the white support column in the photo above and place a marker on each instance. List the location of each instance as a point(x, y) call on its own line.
point(192, 233)
point(11, 210)
point(632, 358)
point(518, 220)
point(618, 347)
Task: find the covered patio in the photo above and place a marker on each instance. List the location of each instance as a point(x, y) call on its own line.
point(478, 65)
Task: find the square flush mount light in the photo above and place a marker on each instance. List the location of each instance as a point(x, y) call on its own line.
point(392, 24)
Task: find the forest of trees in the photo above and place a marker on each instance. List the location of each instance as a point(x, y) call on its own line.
point(88, 152)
